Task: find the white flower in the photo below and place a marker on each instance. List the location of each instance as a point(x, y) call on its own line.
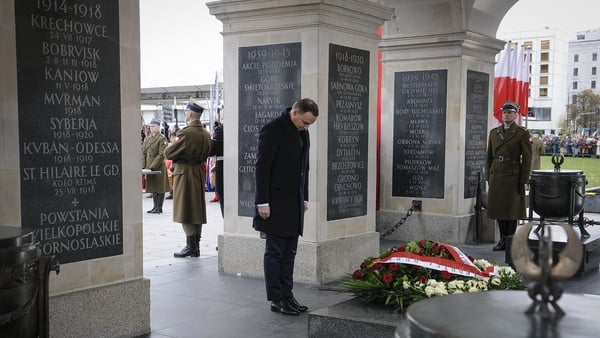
point(432, 282)
point(429, 291)
point(460, 284)
point(482, 263)
point(452, 284)
point(405, 285)
point(473, 289)
point(506, 271)
point(440, 290)
point(496, 281)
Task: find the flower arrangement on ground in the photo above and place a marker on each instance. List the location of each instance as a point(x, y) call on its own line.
point(418, 270)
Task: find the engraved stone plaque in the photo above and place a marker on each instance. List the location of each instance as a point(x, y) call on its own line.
point(348, 126)
point(69, 104)
point(269, 81)
point(419, 134)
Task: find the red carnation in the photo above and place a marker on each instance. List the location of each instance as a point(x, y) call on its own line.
point(471, 258)
point(446, 275)
point(435, 249)
point(377, 266)
point(394, 267)
point(363, 265)
point(356, 274)
point(387, 278)
point(402, 248)
point(423, 279)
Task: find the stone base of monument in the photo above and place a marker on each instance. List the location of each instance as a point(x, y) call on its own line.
point(499, 314)
point(354, 318)
point(591, 248)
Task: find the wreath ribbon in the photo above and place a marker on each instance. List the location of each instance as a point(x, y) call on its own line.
point(461, 265)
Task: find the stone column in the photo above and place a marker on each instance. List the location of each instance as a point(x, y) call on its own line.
point(70, 156)
point(279, 51)
point(437, 97)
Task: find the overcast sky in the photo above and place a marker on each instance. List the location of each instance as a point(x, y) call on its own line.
point(571, 16)
point(181, 42)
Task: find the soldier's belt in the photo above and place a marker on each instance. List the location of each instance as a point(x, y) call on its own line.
point(182, 161)
point(501, 159)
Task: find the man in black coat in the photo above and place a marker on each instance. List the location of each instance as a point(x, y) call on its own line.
point(282, 198)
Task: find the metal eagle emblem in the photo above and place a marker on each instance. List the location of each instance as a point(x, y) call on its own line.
point(545, 288)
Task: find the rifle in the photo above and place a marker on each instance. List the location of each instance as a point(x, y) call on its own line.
point(478, 206)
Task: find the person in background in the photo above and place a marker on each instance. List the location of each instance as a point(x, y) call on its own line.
point(217, 151)
point(189, 152)
point(537, 149)
point(508, 166)
point(153, 158)
point(281, 198)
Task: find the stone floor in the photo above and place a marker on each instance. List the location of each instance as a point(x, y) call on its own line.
point(190, 298)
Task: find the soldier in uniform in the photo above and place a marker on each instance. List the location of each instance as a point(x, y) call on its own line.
point(508, 166)
point(153, 158)
point(189, 152)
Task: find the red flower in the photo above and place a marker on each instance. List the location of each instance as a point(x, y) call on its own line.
point(363, 265)
point(471, 258)
point(446, 275)
point(402, 248)
point(423, 279)
point(387, 278)
point(435, 250)
point(356, 274)
point(377, 266)
point(394, 267)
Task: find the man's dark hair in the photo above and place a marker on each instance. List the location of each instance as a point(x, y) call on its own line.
point(306, 105)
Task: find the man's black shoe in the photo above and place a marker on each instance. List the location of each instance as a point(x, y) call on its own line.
point(283, 307)
point(294, 303)
point(500, 246)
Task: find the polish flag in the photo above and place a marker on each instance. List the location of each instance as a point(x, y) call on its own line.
point(511, 81)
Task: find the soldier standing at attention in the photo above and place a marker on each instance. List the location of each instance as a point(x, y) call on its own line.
point(189, 152)
point(153, 158)
point(508, 167)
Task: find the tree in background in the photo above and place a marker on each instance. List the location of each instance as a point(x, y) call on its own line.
point(584, 112)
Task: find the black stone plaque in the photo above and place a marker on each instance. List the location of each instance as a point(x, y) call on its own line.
point(348, 126)
point(476, 130)
point(269, 81)
point(70, 126)
point(419, 133)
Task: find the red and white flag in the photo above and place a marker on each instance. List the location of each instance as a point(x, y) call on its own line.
point(511, 81)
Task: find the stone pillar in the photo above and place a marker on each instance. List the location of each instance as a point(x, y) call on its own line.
point(437, 97)
point(279, 51)
point(70, 156)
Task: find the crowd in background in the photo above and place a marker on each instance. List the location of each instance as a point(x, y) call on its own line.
point(571, 145)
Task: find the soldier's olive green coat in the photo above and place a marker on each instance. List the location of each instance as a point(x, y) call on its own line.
point(506, 195)
point(188, 153)
point(153, 157)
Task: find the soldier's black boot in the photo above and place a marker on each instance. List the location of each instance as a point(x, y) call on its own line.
point(151, 211)
point(196, 248)
point(503, 228)
point(188, 250)
point(160, 198)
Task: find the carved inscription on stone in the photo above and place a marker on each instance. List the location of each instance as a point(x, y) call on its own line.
point(348, 126)
point(69, 109)
point(269, 81)
point(475, 130)
point(419, 134)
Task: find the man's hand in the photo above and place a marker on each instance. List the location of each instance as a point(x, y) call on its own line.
point(264, 211)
